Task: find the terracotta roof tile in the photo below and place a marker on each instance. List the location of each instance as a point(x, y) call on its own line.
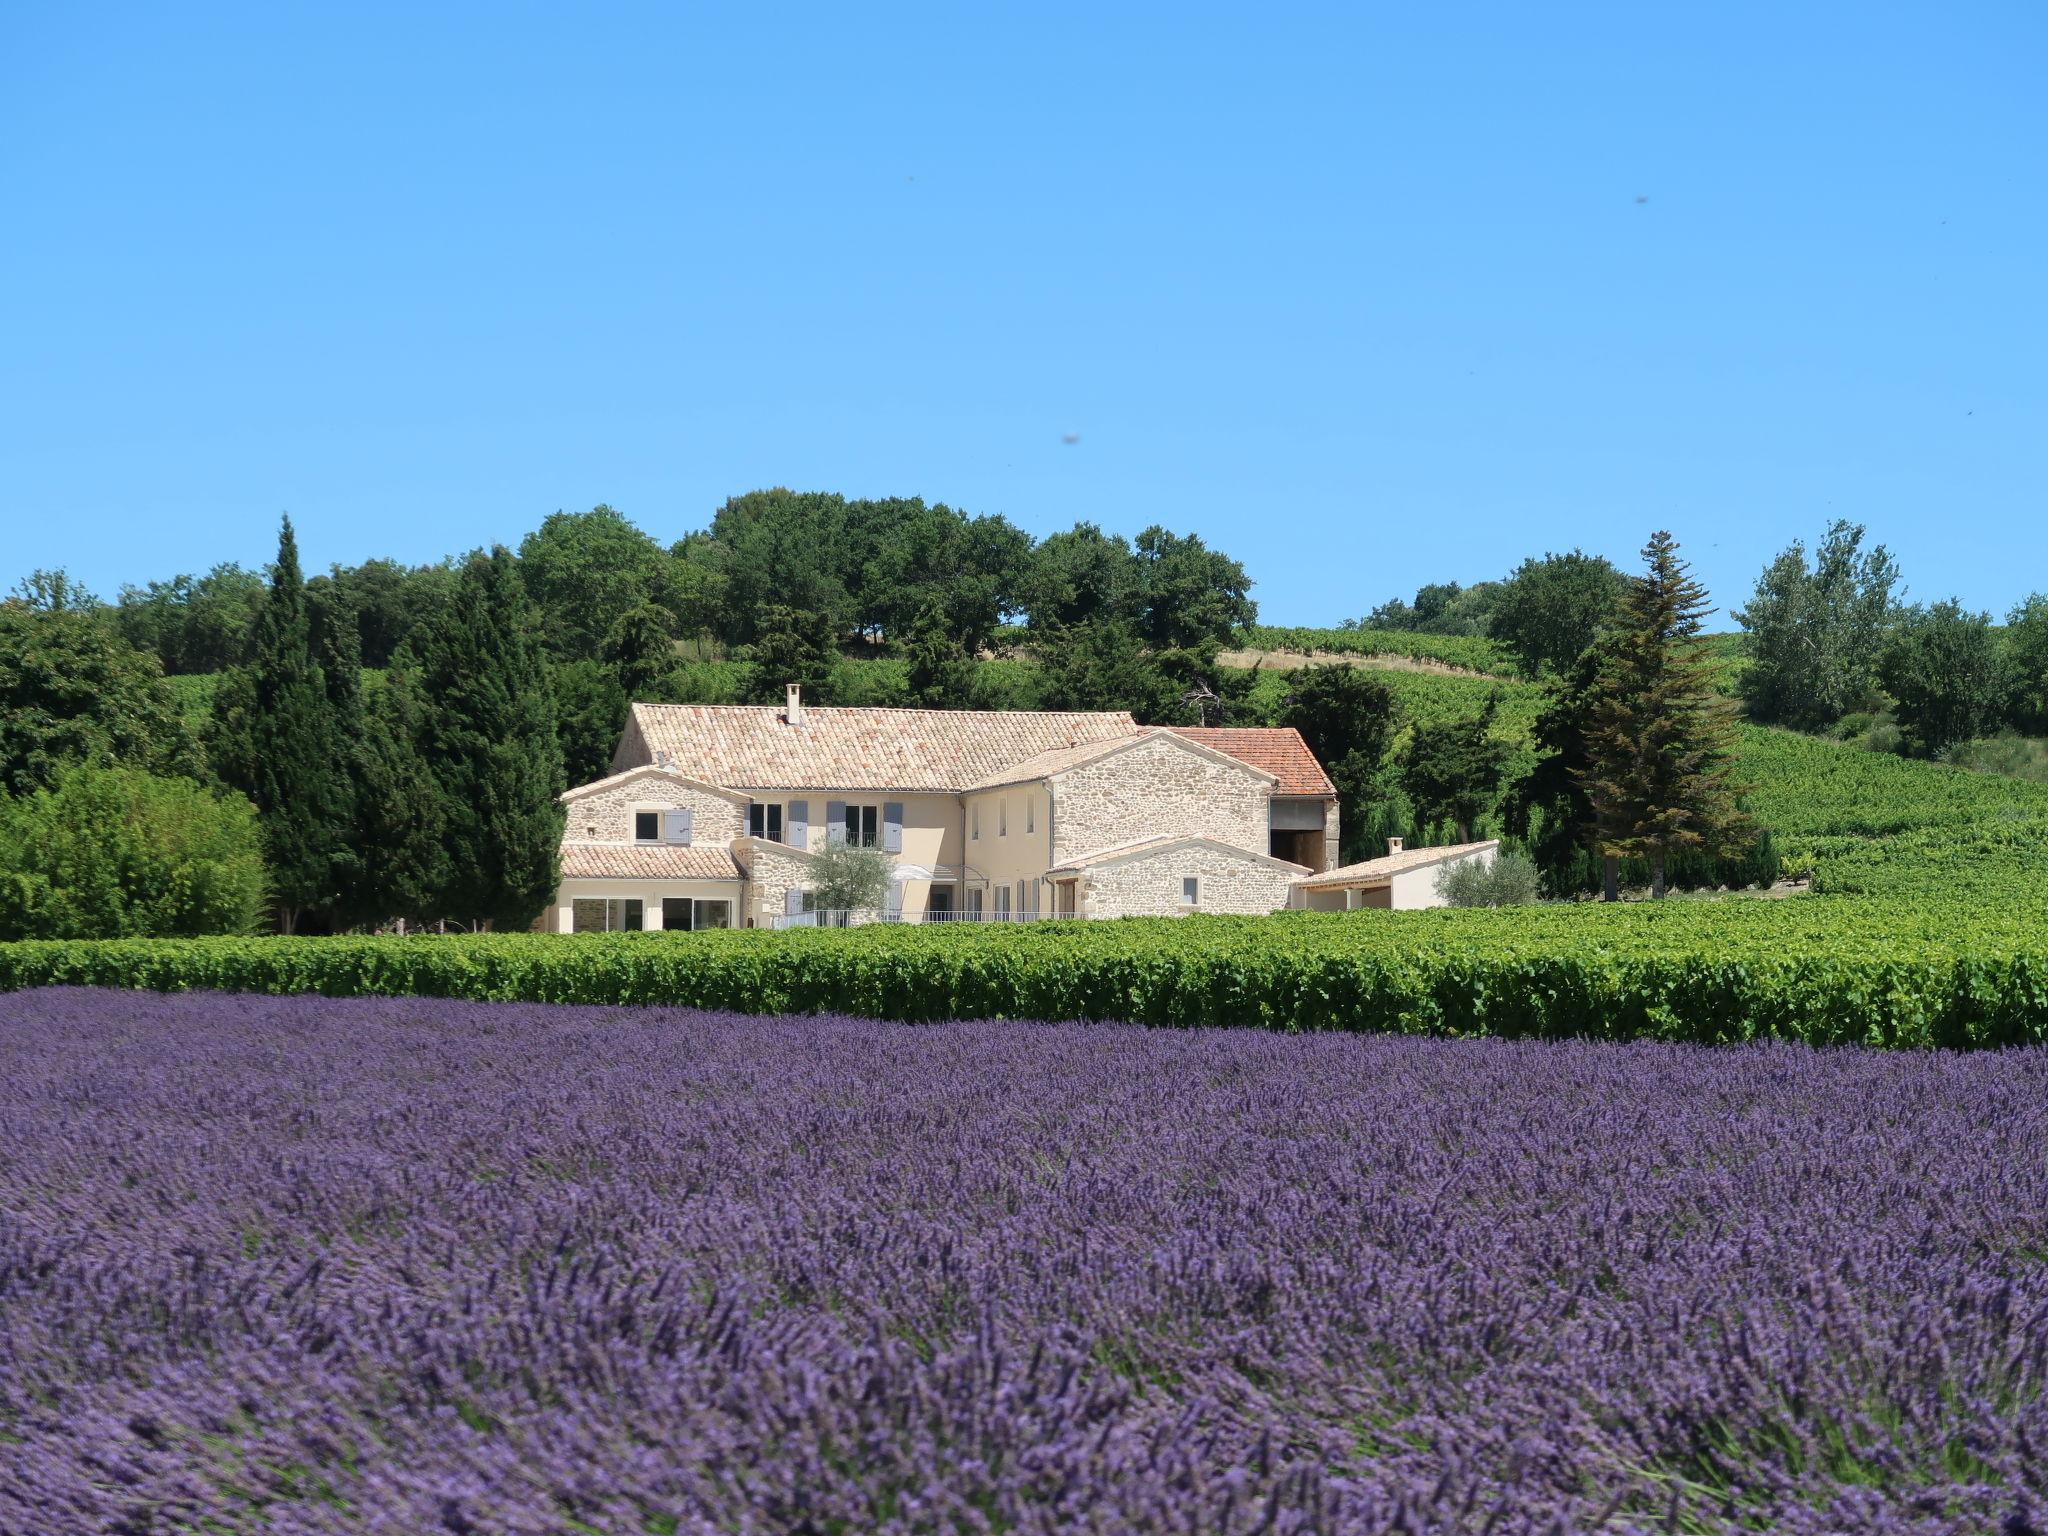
point(646, 861)
point(749, 746)
point(1277, 749)
point(1380, 870)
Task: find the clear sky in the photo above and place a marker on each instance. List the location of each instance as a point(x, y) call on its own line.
point(1367, 295)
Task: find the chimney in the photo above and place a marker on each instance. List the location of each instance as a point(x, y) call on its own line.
point(1393, 846)
point(795, 713)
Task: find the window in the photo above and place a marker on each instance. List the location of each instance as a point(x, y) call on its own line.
point(974, 902)
point(597, 914)
point(1191, 890)
point(1002, 818)
point(1002, 902)
point(681, 914)
point(975, 833)
point(647, 826)
point(862, 830)
point(765, 822)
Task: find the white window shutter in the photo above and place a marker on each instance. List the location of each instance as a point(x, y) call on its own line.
point(892, 826)
point(792, 902)
point(677, 829)
point(892, 903)
point(796, 824)
point(835, 822)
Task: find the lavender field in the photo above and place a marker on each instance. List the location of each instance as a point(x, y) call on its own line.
point(298, 1265)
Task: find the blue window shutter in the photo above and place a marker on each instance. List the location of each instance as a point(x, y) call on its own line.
point(892, 826)
point(796, 824)
point(678, 822)
point(835, 822)
point(792, 901)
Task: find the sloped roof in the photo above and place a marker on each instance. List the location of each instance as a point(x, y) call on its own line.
point(1060, 759)
point(1379, 871)
point(1278, 749)
point(1147, 847)
point(753, 746)
point(646, 861)
point(649, 770)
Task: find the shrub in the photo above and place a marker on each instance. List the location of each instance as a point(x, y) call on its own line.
point(119, 853)
point(1508, 880)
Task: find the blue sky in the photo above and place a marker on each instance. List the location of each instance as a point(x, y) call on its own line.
point(1366, 295)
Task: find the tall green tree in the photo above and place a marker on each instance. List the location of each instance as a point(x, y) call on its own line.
point(193, 624)
point(639, 648)
point(296, 766)
point(1452, 770)
point(490, 744)
point(1660, 739)
point(71, 690)
point(791, 645)
point(1548, 611)
point(582, 570)
point(2026, 665)
point(1079, 577)
point(337, 648)
point(1348, 718)
point(1550, 809)
point(1814, 633)
point(1103, 664)
point(1189, 596)
point(939, 672)
point(401, 814)
point(590, 715)
point(1945, 675)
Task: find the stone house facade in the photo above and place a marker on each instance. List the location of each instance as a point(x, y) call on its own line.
point(714, 814)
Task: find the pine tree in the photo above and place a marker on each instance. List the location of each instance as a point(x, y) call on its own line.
point(489, 742)
point(1659, 738)
point(639, 649)
point(295, 766)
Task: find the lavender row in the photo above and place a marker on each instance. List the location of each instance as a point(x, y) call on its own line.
point(305, 1265)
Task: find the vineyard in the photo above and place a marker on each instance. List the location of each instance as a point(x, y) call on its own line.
point(1474, 653)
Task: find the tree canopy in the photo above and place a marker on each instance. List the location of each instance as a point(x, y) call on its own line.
point(71, 690)
point(1814, 633)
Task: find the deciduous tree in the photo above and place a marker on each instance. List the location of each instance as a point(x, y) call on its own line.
point(1944, 673)
point(1814, 633)
point(1548, 611)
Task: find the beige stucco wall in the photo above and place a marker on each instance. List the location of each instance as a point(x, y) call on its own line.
point(649, 892)
point(1023, 852)
point(1150, 885)
point(1159, 787)
point(607, 815)
point(1417, 887)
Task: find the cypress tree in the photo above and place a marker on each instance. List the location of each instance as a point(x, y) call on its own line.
point(296, 769)
point(489, 742)
point(1659, 738)
point(338, 651)
point(1452, 769)
point(400, 814)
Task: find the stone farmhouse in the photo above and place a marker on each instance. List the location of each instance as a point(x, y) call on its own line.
point(714, 813)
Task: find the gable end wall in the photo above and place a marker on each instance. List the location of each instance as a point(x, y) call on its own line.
point(1158, 789)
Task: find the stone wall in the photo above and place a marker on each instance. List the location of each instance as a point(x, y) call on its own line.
point(606, 816)
point(1161, 787)
point(1149, 885)
point(772, 872)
